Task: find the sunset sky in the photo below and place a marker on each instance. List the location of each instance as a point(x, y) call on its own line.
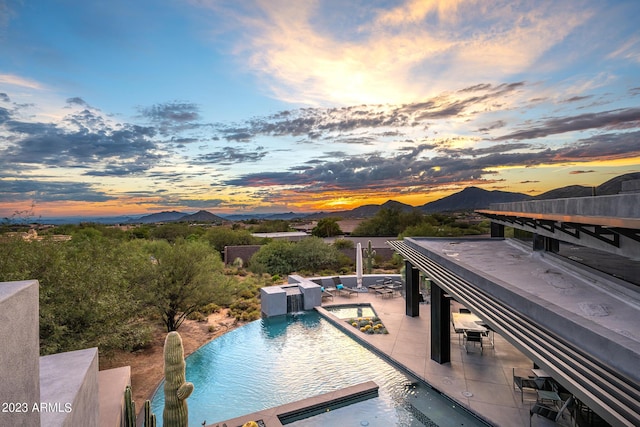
point(134, 107)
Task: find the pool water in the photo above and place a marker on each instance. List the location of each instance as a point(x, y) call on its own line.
point(352, 311)
point(270, 362)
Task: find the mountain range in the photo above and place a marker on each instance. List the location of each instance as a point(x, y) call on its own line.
point(471, 198)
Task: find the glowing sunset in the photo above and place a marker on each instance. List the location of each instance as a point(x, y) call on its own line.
point(240, 106)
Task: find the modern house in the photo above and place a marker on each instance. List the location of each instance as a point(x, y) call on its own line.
point(578, 324)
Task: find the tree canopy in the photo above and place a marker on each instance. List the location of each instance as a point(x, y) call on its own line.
point(283, 257)
point(327, 227)
point(181, 278)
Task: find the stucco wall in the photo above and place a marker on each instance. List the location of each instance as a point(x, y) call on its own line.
point(19, 353)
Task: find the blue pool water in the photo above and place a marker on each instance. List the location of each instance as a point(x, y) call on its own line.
point(269, 363)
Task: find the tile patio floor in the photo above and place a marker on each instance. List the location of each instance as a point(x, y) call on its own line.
point(481, 382)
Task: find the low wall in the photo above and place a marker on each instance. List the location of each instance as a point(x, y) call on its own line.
point(245, 252)
point(20, 353)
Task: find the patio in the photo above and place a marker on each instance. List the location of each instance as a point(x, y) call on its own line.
point(482, 382)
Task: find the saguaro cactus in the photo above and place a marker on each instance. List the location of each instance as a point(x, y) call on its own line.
point(176, 389)
point(130, 411)
point(369, 256)
point(149, 417)
point(129, 408)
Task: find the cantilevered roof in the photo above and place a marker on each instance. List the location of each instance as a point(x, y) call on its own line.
point(583, 327)
point(609, 223)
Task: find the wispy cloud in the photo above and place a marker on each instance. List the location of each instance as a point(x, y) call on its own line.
point(414, 50)
point(13, 80)
point(617, 119)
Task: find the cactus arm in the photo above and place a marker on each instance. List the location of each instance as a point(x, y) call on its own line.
point(185, 391)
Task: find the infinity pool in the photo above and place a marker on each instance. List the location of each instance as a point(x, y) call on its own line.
point(269, 363)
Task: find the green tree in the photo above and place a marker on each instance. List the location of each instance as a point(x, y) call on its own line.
point(174, 231)
point(87, 291)
point(219, 237)
point(181, 278)
point(276, 257)
point(327, 227)
point(388, 222)
point(284, 257)
point(312, 254)
point(343, 244)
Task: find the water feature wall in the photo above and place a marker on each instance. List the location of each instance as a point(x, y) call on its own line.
point(295, 299)
point(299, 295)
point(305, 294)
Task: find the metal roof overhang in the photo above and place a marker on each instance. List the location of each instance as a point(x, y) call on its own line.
point(612, 394)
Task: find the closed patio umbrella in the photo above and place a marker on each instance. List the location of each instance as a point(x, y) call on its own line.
point(359, 265)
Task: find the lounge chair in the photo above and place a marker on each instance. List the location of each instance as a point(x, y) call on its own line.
point(374, 288)
point(342, 289)
point(396, 287)
point(325, 294)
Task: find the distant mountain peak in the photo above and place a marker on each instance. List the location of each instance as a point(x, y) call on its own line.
point(202, 215)
point(472, 198)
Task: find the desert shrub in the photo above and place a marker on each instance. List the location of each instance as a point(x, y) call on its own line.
point(245, 310)
point(343, 244)
point(210, 309)
point(197, 316)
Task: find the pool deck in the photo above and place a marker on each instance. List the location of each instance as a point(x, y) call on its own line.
point(482, 382)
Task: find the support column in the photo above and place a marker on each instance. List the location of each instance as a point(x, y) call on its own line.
point(538, 242)
point(497, 230)
point(412, 290)
point(551, 245)
point(440, 332)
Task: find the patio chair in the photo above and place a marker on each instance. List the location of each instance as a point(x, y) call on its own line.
point(472, 336)
point(396, 287)
point(522, 383)
point(548, 412)
point(342, 289)
point(325, 294)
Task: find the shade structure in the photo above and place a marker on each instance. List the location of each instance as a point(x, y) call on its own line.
point(359, 265)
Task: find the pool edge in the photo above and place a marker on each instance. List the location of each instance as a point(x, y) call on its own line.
point(282, 415)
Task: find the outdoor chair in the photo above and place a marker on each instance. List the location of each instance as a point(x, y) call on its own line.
point(325, 294)
point(375, 288)
point(489, 335)
point(522, 383)
point(342, 289)
point(548, 412)
point(396, 287)
point(474, 337)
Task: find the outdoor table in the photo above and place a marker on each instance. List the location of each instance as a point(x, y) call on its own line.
point(467, 322)
point(540, 373)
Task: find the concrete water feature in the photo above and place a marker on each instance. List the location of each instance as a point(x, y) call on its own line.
point(301, 293)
